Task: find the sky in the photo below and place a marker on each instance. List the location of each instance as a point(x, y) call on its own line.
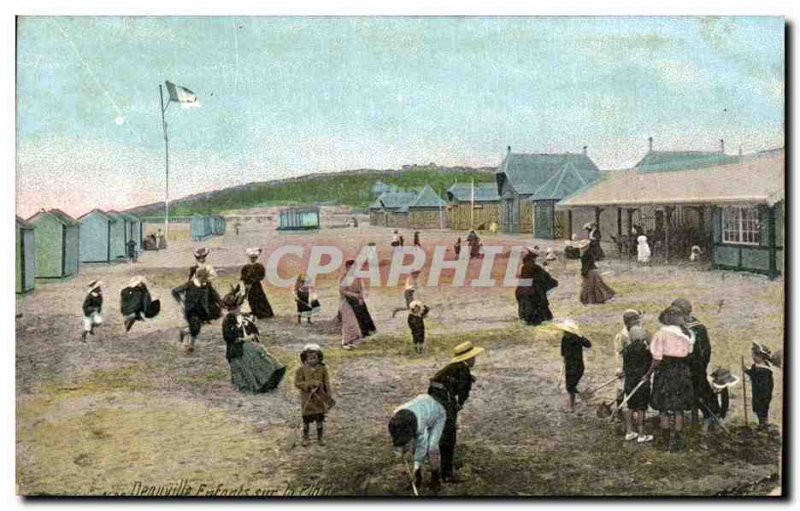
point(284, 96)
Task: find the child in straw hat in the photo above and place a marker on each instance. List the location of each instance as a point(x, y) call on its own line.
point(572, 345)
point(416, 322)
point(92, 308)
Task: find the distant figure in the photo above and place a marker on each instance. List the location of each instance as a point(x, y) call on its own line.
point(131, 246)
point(354, 221)
point(236, 228)
point(493, 227)
point(761, 383)
point(593, 288)
point(695, 255)
point(642, 249)
point(307, 303)
point(416, 322)
point(416, 239)
point(474, 243)
point(161, 241)
point(532, 304)
point(92, 307)
point(457, 247)
point(395, 239)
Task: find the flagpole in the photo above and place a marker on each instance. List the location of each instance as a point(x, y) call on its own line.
point(472, 206)
point(166, 162)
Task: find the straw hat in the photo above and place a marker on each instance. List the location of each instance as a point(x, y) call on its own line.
point(253, 252)
point(722, 378)
point(200, 252)
point(415, 304)
point(94, 285)
point(631, 317)
point(568, 325)
point(135, 281)
point(465, 351)
point(588, 225)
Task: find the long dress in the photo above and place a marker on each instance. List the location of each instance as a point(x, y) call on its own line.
point(593, 289)
point(252, 275)
point(252, 368)
point(594, 245)
point(532, 303)
point(356, 320)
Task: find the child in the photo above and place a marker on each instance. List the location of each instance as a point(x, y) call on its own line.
point(761, 383)
point(695, 255)
point(572, 344)
point(719, 381)
point(457, 247)
point(643, 249)
point(550, 256)
point(636, 360)
point(416, 322)
point(409, 290)
point(201, 304)
point(136, 303)
point(311, 379)
point(307, 305)
point(92, 307)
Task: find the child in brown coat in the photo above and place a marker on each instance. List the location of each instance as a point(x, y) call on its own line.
point(312, 380)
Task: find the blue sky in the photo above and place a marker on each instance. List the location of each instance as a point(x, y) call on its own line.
point(288, 96)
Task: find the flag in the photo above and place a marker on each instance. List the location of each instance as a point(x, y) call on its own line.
point(182, 95)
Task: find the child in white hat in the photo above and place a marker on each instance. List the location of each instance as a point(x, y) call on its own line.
point(416, 322)
point(572, 345)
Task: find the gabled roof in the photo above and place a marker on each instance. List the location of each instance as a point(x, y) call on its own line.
point(662, 161)
point(115, 216)
point(426, 198)
point(462, 192)
point(57, 214)
point(24, 225)
point(752, 181)
point(128, 217)
point(96, 211)
point(395, 200)
point(563, 183)
point(528, 172)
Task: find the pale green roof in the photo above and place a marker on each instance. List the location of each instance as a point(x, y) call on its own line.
point(527, 173)
point(665, 161)
point(462, 192)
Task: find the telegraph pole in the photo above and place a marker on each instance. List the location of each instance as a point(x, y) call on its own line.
point(166, 161)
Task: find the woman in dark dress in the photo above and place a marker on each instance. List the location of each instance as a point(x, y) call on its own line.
point(252, 275)
point(593, 288)
point(594, 238)
point(253, 370)
point(201, 304)
point(532, 304)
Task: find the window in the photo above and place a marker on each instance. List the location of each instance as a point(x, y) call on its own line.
point(740, 225)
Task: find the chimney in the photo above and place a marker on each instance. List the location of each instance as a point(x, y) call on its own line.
point(650, 143)
point(722, 146)
point(509, 149)
point(584, 150)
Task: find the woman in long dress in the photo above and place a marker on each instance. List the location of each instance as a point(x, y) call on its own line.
point(594, 237)
point(593, 288)
point(252, 275)
point(253, 370)
point(533, 306)
point(356, 320)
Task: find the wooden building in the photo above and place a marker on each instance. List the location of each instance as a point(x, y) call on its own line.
point(95, 237)
point(200, 226)
point(299, 218)
point(465, 211)
point(385, 210)
point(25, 242)
point(426, 210)
point(218, 225)
point(523, 179)
point(118, 235)
point(734, 210)
point(57, 244)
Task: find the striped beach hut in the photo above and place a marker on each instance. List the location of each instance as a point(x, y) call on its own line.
point(292, 219)
point(26, 256)
point(57, 243)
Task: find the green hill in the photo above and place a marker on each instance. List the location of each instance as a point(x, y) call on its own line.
point(350, 188)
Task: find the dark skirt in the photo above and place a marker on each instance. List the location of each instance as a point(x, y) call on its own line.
point(672, 386)
point(256, 371)
point(303, 304)
point(533, 308)
point(573, 375)
point(640, 400)
point(259, 305)
point(594, 290)
point(365, 323)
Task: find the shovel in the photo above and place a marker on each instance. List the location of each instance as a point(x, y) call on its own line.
point(625, 401)
point(411, 477)
point(588, 394)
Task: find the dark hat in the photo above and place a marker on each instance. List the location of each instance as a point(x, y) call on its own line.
point(722, 377)
point(683, 304)
point(672, 316)
point(232, 301)
point(759, 350)
point(402, 427)
point(200, 252)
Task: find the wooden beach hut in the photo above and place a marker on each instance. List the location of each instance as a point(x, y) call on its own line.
point(118, 236)
point(57, 244)
point(95, 237)
point(200, 227)
point(25, 256)
point(426, 210)
point(218, 225)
